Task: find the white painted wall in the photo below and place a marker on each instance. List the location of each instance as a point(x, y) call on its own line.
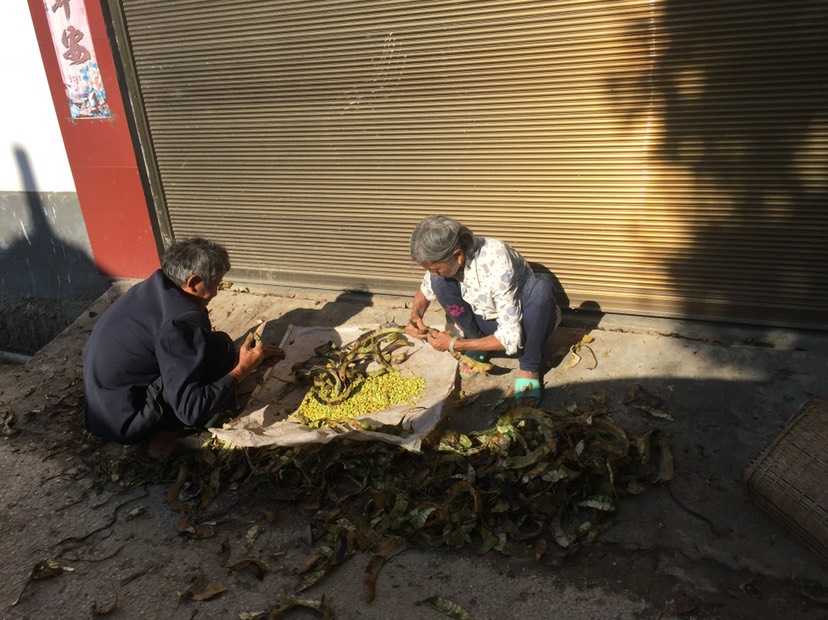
point(27, 114)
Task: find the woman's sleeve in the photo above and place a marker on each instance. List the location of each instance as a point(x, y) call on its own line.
point(505, 296)
point(425, 288)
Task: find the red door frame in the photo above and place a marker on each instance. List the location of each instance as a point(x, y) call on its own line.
point(115, 206)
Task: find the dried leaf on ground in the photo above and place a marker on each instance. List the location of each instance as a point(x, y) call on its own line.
point(287, 604)
point(535, 476)
point(42, 569)
point(257, 568)
point(447, 607)
point(7, 421)
point(575, 351)
point(204, 595)
point(111, 608)
point(384, 551)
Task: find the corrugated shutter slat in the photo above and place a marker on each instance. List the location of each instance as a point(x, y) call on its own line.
point(660, 159)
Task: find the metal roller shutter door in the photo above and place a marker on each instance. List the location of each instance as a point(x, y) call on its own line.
point(659, 159)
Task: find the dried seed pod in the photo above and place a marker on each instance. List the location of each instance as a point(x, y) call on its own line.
point(336, 373)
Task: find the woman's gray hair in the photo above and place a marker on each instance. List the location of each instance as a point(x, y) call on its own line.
point(436, 238)
point(197, 256)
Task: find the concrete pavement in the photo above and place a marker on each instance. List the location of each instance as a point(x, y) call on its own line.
point(698, 548)
point(729, 390)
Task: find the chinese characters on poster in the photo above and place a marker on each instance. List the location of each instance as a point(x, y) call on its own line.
point(82, 81)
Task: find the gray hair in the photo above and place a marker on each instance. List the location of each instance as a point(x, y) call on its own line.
point(195, 257)
point(436, 238)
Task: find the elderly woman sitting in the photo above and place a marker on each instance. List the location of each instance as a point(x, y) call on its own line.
point(492, 295)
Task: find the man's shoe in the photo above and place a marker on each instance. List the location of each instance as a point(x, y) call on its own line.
point(191, 443)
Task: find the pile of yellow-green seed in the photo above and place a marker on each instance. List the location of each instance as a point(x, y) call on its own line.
point(373, 394)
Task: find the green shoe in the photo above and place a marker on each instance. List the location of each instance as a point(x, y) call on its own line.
point(528, 392)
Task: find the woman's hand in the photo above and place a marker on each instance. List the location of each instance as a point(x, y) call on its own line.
point(439, 340)
point(416, 328)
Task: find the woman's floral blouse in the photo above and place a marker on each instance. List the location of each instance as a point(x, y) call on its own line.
point(490, 282)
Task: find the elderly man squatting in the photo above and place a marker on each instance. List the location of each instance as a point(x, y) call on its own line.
point(154, 370)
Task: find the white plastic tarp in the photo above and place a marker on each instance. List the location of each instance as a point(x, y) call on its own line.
point(266, 422)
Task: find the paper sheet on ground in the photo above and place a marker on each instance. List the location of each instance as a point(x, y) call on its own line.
point(265, 421)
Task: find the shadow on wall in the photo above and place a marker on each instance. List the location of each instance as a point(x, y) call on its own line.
point(750, 127)
point(586, 316)
point(47, 278)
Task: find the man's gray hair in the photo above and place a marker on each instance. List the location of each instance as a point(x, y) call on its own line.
point(197, 256)
point(436, 238)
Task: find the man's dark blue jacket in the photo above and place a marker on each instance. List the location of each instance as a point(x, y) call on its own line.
point(146, 353)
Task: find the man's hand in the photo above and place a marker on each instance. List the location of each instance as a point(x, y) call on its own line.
point(252, 354)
